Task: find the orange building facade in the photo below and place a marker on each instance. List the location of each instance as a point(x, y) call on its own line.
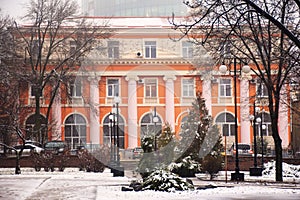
point(151, 75)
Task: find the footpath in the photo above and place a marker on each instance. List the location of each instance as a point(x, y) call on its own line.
point(223, 179)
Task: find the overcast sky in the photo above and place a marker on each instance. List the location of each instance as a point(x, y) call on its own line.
point(14, 8)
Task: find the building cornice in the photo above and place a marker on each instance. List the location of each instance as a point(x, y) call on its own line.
point(138, 61)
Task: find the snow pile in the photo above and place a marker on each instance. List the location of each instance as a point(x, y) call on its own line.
point(162, 180)
point(288, 170)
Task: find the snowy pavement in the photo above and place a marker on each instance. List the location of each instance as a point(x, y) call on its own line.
point(77, 185)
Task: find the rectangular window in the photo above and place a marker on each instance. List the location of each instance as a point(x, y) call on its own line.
point(225, 129)
point(150, 88)
point(113, 49)
point(34, 89)
point(35, 48)
point(261, 90)
point(188, 87)
point(266, 132)
point(73, 47)
point(225, 88)
point(113, 87)
point(76, 88)
point(225, 49)
point(187, 49)
point(150, 49)
point(228, 129)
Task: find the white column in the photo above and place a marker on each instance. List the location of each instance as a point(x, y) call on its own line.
point(94, 111)
point(56, 116)
point(132, 111)
point(283, 118)
point(170, 104)
point(245, 110)
point(206, 91)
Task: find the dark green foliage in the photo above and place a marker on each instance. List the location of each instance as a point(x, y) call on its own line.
point(148, 144)
point(212, 143)
point(166, 145)
point(212, 159)
point(165, 137)
point(194, 130)
point(198, 138)
point(162, 180)
point(162, 157)
point(186, 168)
point(259, 145)
point(212, 164)
point(148, 162)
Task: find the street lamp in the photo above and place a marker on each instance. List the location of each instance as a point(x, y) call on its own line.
point(118, 170)
point(255, 171)
point(237, 176)
point(155, 120)
point(117, 100)
point(263, 129)
point(111, 118)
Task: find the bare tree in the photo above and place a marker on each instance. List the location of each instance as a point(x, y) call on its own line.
point(9, 106)
point(233, 29)
point(51, 48)
point(289, 31)
point(9, 90)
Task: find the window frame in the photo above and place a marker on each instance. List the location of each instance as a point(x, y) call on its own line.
point(265, 120)
point(225, 89)
point(32, 92)
point(149, 87)
point(150, 49)
point(226, 124)
point(190, 91)
point(113, 49)
point(73, 87)
point(108, 128)
point(73, 46)
point(79, 127)
point(261, 89)
point(114, 87)
point(147, 126)
point(187, 49)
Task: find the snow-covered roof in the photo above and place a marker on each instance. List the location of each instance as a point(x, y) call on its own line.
point(116, 22)
point(123, 22)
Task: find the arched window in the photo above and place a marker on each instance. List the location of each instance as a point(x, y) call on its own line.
point(108, 131)
point(226, 123)
point(30, 123)
point(75, 131)
point(148, 127)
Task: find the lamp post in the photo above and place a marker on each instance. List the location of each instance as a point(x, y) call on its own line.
point(155, 120)
point(263, 128)
point(255, 171)
point(117, 101)
point(112, 121)
point(117, 169)
point(236, 176)
point(111, 139)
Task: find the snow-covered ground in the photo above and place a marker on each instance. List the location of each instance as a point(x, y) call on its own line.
point(75, 184)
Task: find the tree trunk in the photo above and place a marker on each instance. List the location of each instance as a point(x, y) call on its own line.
point(18, 168)
point(37, 126)
point(278, 150)
point(276, 138)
